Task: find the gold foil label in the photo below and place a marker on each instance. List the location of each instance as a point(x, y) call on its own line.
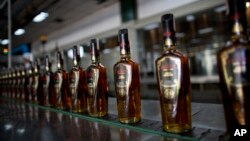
point(58, 85)
point(92, 81)
point(169, 77)
point(123, 79)
point(46, 86)
point(237, 28)
point(34, 86)
point(74, 81)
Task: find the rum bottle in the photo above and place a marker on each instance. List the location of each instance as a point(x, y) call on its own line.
point(97, 98)
point(77, 85)
point(127, 83)
point(234, 69)
point(173, 81)
point(18, 83)
point(28, 84)
point(34, 81)
point(23, 83)
point(46, 84)
point(61, 85)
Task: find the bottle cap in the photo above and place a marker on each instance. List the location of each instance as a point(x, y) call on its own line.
point(168, 25)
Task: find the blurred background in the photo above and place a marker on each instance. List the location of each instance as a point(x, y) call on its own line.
point(42, 27)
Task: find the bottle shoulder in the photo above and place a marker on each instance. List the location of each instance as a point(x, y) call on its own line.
point(172, 54)
point(126, 62)
point(232, 46)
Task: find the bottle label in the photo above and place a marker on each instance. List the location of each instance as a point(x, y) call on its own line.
point(123, 74)
point(234, 63)
point(58, 85)
point(92, 80)
point(169, 77)
point(34, 86)
point(74, 81)
point(46, 85)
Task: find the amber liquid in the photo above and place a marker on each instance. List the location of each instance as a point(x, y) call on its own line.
point(26, 87)
point(234, 72)
point(60, 89)
point(45, 88)
point(127, 88)
point(22, 86)
point(97, 97)
point(34, 87)
point(78, 100)
point(174, 88)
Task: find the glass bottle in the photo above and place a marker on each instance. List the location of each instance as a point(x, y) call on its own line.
point(46, 84)
point(173, 81)
point(234, 69)
point(61, 85)
point(77, 80)
point(97, 98)
point(23, 83)
point(13, 84)
point(35, 81)
point(127, 83)
point(28, 83)
point(18, 83)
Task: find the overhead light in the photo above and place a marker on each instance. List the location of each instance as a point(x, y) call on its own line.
point(190, 18)
point(81, 52)
point(220, 9)
point(180, 34)
point(40, 17)
point(151, 26)
point(4, 41)
point(19, 31)
point(205, 30)
point(247, 4)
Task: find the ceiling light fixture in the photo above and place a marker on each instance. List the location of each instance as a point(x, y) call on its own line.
point(190, 18)
point(19, 32)
point(4, 41)
point(247, 4)
point(40, 17)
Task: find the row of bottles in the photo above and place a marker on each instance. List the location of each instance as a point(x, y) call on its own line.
point(87, 90)
point(81, 91)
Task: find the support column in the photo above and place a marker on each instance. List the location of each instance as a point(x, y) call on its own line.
point(9, 34)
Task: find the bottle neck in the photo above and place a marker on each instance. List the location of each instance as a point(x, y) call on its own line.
point(124, 49)
point(47, 64)
point(59, 61)
point(76, 57)
point(169, 40)
point(59, 65)
point(237, 18)
point(36, 67)
point(95, 53)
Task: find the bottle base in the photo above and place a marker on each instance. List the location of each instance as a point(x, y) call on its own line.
point(129, 120)
point(100, 114)
point(177, 128)
point(79, 110)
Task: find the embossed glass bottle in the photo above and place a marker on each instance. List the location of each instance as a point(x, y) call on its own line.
point(46, 84)
point(173, 81)
point(97, 98)
point(35, 81)
point(77, 85)
point(60, 88)
point(127, 83)
point(234, 69)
